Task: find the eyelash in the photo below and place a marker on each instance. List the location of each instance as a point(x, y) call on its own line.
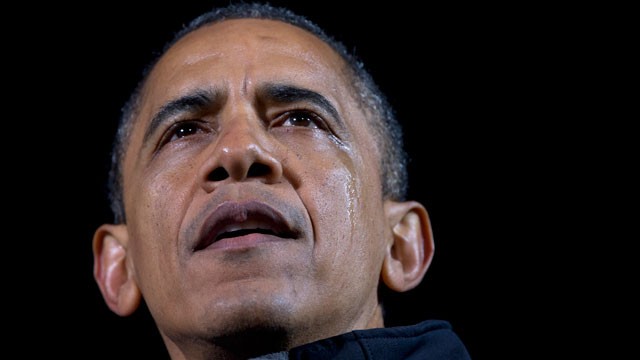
point(194, 126)
point(314, 119)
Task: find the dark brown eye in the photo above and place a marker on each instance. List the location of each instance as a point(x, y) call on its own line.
point(301, 118)
point(184, 129)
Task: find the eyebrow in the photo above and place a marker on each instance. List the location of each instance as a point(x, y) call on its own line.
point(192, 102)
point(287, 94)
point(201, 99)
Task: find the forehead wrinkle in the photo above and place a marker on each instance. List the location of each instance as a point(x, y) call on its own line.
point(195, 58)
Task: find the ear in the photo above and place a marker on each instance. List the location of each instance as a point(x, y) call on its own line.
point(111, 270)
point(410, 250)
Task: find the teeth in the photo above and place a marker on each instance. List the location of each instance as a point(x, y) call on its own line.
point(247, 225)
point(244, 228)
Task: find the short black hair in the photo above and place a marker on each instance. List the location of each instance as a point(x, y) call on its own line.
point(381, 115)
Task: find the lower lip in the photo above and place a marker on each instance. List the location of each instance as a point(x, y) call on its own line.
point(244, 242)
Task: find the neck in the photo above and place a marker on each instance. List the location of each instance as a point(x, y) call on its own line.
point(252, 343)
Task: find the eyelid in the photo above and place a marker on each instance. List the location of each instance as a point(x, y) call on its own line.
point(171, 129)
point(319, 120)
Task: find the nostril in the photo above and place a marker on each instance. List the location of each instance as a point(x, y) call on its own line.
point(218, 174)
point(258, 170)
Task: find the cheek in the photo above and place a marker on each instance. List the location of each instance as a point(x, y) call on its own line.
point(332, 204)
point(158, 203)
point(330, 187)
point(341, 193)
point(161, 196)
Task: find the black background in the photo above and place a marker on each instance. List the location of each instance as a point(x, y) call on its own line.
point(479, 91)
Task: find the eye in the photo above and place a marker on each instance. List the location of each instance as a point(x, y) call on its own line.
point(301, 118)
point(183, 129)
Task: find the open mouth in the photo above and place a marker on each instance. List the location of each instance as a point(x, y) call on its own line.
point(235, 220)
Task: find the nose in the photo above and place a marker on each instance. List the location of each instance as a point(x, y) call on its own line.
point(241, 152)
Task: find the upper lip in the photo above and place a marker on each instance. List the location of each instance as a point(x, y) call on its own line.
point(251, 216)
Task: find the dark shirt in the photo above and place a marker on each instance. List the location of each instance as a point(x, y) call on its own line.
point(428, 340)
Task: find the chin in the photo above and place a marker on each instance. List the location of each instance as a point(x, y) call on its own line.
point(251, 326)
point(233, 327)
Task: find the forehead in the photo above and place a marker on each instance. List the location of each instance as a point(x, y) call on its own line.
point(251, 45)
point(237, 56)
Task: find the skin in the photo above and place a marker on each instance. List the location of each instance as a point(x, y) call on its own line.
point(256, 291)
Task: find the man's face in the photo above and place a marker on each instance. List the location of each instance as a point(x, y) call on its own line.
point(252, 187)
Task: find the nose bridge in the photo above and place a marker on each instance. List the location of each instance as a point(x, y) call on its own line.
point(240, 136)
point(242, 149)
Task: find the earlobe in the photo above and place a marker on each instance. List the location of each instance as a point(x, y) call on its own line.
point(111, 271)
point(411, 248)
